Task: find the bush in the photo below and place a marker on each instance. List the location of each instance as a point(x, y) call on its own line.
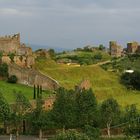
point(4, 70)
point(92, 132)
point(71, 135)
point(12, 79)
point(131, 80)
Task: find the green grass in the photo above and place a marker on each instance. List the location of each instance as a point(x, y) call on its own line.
point(83, 57)
point(9, 91)
point(105, 84)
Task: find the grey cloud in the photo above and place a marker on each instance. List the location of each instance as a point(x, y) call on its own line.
point(71, 23)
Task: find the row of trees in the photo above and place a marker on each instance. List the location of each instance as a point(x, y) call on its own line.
point(75, 110)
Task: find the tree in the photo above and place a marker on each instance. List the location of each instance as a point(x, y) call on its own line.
point(110, 112)
point(19, 110)
point(1, 54)
point(131, 80)
point(12, 79)
point(132, 118)
point(40, 119)
point(86, 107)
point(51, 53)
point(101, 47)
point(4, 70)
point(11, 56)
point(4, 112)
point(63, 112)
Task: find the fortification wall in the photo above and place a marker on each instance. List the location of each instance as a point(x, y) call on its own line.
point(10, 44)
point(32, 77)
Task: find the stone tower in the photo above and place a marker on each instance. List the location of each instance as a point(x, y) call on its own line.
point(115, 49)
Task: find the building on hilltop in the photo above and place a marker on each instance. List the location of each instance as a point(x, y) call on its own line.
point(10, 44)
point(115, 50)
point(23, 54)
point(133, 47)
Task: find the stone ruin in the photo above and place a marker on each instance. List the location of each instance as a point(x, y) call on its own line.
point(115, 49)
point(23, 55)
point(24, 59)
point(133, 47)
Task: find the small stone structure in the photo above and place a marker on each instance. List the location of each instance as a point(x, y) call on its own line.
point(133, 47)
point(85, 84)
point(32, 77)
point(115, 49)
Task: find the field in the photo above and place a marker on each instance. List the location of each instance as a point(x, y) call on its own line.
point(8, 91)
point(105, 84)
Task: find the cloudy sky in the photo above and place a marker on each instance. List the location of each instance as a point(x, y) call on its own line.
point(71, 23)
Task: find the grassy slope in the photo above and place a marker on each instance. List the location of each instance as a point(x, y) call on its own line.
point(105, 84)
point(85, 55)
point(8, 90)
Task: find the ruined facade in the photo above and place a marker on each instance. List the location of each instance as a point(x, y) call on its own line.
point(133, 47)
point(115, 50)
point(23, 54)
point(9, 44)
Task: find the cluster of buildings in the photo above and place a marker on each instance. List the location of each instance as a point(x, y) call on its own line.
point(117, 50)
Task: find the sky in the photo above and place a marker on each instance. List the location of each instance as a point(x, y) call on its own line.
point(71, 23)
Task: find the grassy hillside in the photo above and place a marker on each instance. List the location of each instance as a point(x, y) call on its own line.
point(83, 57)
point(8, 90)
point(105, 84)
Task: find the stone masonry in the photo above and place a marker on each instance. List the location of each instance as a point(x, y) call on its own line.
point(115, 49)
point(133, 47)
point(23, 54)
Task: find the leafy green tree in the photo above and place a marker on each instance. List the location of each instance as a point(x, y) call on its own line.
point(40, 119)
point(86, 107)
point(4, 112)
point(19, 110)
point(4, 70)
point(51, 53)
point(101, 47)
point(110, 112)
point(11, 56)
point(63, 112)
point(131, 115)
point(131, 80)
point(92, 132)
point(1, 54)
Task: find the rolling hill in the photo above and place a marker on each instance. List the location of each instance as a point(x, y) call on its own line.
point(104, 83)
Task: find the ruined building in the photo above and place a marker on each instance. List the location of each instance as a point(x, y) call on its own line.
point(115, 49)
point(133, 47)
point(23, 55)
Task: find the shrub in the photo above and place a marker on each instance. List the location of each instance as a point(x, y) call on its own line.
point(4, 70)
point(71, 135)
point(131, 80)
point(12, 79)
point(92, 132)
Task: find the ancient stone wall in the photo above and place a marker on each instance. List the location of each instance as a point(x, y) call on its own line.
point(132, 47)
point(32, 77)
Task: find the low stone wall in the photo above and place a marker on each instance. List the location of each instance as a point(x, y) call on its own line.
point(32, 77)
